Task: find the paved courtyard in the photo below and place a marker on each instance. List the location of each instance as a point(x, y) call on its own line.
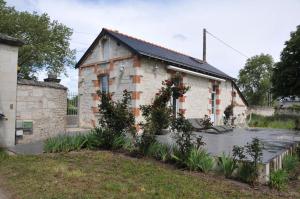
point(275, 141)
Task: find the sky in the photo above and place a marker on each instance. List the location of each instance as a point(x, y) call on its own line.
point(252, 27)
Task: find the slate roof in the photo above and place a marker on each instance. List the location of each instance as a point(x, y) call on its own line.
point(5, 39)
point(41, 84)
point(148, 49)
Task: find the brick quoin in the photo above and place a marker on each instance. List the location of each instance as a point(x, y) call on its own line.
point(182, 99)
point(209, 111)
point(111, 66)
point(95, 109)
point(93, 122)
point(95, 96)
point(136, 111)
point(218, 112)
point(135, 95)
point(96, 83)
point(218, 101)
point(136, 61)
point(182, 111)
point(136, 79)
point(218, 91)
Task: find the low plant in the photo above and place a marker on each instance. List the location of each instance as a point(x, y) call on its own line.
point(278, 179)
point(159, 151)
point(65, 143)
point(248, 169)
point(289, 163)
point(227, 165)
point(184, 137)
point(123, 142)
point(199, 159)
point(3, 154)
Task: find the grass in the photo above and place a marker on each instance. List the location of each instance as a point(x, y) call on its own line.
point(103, 174)
point(276, 121)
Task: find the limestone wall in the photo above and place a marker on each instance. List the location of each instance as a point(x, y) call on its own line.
point(121, 71)
point(8, 85)
point(45, 106)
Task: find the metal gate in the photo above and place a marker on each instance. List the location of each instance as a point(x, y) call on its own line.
point(72, 110)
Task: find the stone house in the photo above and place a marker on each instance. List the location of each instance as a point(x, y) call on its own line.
point(116, 61)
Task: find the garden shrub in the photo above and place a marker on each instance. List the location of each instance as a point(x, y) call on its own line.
point(184, 137)
point(290, 163)
point(248, 170)
point(228, 112)
point(158, 115)
point(278, 179)
point(199, 160)
point(227, 165)
point(159, 151)
point(116, 116)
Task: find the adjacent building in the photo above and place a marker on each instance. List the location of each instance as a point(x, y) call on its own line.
point(116, 61)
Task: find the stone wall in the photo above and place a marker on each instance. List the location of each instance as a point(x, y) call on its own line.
point(95, 66)
point(8, 85)
point(261, 110)
point(44, 103)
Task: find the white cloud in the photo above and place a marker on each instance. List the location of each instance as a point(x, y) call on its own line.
point(253, 27)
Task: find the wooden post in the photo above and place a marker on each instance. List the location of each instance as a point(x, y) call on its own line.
point(204, 45)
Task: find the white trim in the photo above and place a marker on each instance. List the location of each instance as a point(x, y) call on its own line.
point(194, 73)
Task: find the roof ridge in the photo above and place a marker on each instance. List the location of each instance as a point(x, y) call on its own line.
point(116, 31)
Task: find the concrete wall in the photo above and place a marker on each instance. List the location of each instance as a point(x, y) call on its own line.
point(8, 85)
point(46, 107)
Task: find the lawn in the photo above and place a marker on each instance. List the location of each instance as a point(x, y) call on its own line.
point(105, 174)
point(276, 121)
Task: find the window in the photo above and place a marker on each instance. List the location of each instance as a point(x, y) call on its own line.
point(174, 103)
point(105, 49)
point(104, 83)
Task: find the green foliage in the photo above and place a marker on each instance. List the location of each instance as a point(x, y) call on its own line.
point(290, 163)
point(199, 160)
point(286, 74)
point(65, 143)
point(248, 170)
point(47, 43)
point(183, 134)
point(254, 79)
point(275, 121)
point(3, 154)
point(227, 164)
point(122, 142)
point(247, 173)
point(228, 112)
point(278, 179)
point(159, 151)
point(116, 116)
point(158, 115)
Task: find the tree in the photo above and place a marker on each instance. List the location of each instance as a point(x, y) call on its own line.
point(47, 43)
point(286, 75)
point(254, 79)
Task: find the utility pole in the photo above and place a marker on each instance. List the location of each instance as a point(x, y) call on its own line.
point(204, 45)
